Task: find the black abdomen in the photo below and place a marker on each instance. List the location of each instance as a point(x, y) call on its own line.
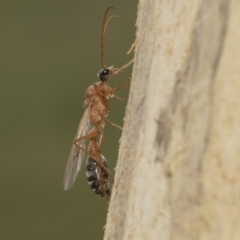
point(98, 177)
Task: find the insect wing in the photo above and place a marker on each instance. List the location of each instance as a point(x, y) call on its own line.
point(77, 156)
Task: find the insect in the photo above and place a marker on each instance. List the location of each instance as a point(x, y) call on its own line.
point(91, 127)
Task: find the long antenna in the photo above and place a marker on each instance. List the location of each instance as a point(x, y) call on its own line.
point(103, 33)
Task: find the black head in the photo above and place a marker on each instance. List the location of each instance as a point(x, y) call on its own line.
point(103, 74)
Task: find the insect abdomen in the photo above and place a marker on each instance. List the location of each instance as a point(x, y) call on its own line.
point(98, 177)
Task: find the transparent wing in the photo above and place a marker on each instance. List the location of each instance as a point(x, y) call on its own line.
point(77, 156)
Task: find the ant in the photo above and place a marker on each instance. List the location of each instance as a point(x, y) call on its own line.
point(92, 124)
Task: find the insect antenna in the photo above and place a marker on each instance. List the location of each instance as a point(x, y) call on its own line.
point(103, 32)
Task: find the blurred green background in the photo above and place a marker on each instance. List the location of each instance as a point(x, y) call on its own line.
point(50, 54)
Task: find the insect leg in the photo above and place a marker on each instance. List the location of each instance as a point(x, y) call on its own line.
point(113, 124)
point(119, 98)
point(121, 86)
point(132, 47)
point(112, 91)
point(92, 134)
point(118, 70)
point(101, 140)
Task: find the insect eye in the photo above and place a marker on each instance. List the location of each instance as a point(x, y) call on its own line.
point(103, 74)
